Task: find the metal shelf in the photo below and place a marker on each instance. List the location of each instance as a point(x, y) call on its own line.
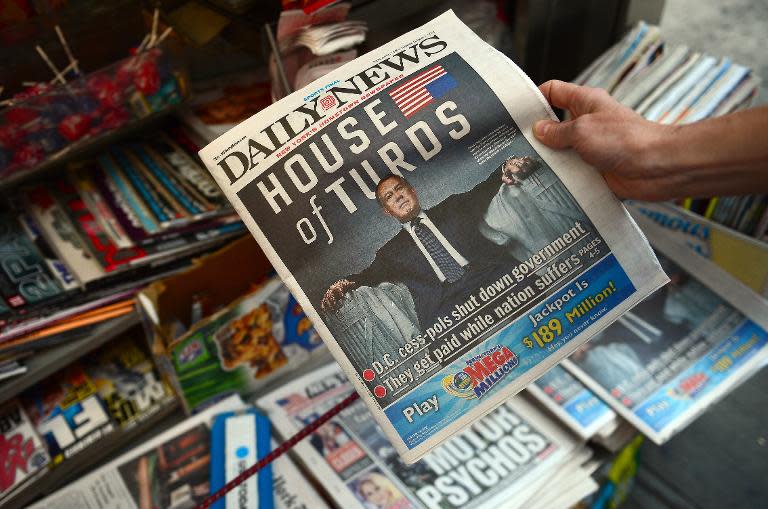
point(46, 362)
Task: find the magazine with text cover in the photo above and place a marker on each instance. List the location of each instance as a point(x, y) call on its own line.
point(442, 253)
point(679, 351)
point(67, 412)
point(501, 459)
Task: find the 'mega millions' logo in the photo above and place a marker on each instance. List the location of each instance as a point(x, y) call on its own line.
point(481, 374)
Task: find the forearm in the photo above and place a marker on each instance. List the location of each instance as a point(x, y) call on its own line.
point(721, 156)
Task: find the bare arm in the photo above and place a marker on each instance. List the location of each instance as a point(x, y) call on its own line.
point(644, 160)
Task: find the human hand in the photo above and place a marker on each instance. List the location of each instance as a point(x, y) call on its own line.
point(612, 138)
point(335, 294)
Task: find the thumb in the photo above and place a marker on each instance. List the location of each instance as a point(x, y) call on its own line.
point(555, 134)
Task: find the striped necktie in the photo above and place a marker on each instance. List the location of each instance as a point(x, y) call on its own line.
point(440, 255)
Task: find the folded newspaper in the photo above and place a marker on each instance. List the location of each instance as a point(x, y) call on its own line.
point(664, 363)
point(505, 459)
point(445, 256)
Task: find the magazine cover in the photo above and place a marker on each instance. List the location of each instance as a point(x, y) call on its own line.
point(575, 405)
point(23, 455)
point(681, 349)
point(61, 234)
point(243, 346)
point(24, 275)
point(500, 458)
point(67, 412)
point(744, 257)
point(128, 382)
point(172, 470)
point(446, 257)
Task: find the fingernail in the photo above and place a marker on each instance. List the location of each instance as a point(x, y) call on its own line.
point(540, 128)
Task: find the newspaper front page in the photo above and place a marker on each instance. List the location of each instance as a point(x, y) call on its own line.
point(665, 362)
point(578, 407)
point(445, 256)
point(500, 460)
point(173, 470)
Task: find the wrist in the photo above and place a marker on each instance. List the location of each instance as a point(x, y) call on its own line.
point(658, 149)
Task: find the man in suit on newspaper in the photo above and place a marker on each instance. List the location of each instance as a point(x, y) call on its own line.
point(440, 254)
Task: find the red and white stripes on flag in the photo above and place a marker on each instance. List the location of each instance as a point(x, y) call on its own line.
point(413, 95)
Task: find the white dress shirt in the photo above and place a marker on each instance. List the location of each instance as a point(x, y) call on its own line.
point(447, 245)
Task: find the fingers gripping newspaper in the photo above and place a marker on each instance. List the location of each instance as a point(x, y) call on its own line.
point(445, 256)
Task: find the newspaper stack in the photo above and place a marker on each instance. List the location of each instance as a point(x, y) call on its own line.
point(678, 85)
point(326, 39)
point(312, 45)
point(510, 458)
point(681, 350)
point(172, 470)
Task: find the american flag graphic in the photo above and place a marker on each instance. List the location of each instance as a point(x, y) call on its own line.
point(422, 89)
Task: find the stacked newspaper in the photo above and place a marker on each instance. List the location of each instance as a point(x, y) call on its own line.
point(510, 458)
point(678, 85)
point(442, 253)
point(664, 363)
point(172, 470)
point(311, 45)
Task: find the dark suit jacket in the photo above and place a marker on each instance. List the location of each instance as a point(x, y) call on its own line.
point(457, 217)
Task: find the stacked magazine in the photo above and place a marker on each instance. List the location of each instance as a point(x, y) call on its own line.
point(678, 85)
point(504, 459)
point(75, 248)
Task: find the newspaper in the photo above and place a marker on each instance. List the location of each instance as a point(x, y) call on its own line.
point(575, 405)
point(172, 470)
point(445, 256)
point(502, 459)
point(682, 349)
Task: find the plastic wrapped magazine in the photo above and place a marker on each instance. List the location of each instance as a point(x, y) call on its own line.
point(681, 349)
point(442, 253)
point(67, 412)
point(501, 460)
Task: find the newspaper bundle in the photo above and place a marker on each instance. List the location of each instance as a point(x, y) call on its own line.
point(665, 362)
point(445, 256)
point(173, 470)
point(503, 459)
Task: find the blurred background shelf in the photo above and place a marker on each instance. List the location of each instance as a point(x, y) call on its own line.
point(49, 360)
point(105, 449)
